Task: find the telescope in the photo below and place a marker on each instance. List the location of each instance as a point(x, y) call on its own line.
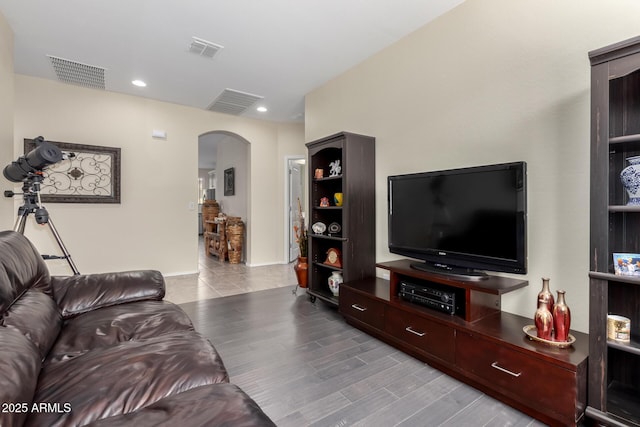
point(34, 161)
point(28, 170)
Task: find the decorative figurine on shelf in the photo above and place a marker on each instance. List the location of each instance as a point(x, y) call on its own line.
point(335, 168)
point(337, 198)
point(319, 173)
point(324, 202)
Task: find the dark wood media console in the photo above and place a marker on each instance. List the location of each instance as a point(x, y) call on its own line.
point(482, 346)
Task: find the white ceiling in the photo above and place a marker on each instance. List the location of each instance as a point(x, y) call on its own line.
point(278, 49)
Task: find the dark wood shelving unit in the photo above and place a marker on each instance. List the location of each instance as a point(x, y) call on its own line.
point(626, 139)
point(633, 346)
point(356, 217)
point(614, 367)
point(329, 267)
point(323, 237)
point(624, 208)
point(481, 346)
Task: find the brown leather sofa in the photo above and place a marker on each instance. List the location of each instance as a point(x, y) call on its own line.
point(105, 350)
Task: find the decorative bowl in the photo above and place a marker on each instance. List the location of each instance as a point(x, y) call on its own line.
point(319, 227)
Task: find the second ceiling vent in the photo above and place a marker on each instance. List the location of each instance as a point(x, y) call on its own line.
point(204, 48)
point(233, 102)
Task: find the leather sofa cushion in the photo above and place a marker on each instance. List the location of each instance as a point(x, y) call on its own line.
point(126, 377)
point(19, 368)
point(37, 316)
point(82, 293)
point(119, 323)
point(211, 405)
point(21, 268)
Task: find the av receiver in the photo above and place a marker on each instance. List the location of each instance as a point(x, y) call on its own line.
point(441, 298)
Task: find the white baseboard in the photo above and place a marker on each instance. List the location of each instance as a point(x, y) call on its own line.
point(265, 264)
point(186, 273)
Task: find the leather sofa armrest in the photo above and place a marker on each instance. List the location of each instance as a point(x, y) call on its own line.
point(82, 293)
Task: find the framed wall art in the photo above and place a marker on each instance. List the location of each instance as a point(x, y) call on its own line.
point(229, 182)
point(87, 174)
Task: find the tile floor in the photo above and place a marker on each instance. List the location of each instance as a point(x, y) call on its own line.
point(218, 279)
point(316, 370)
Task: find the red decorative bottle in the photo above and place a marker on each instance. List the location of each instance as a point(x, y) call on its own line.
point(546, 295)
point(561, 319)
point(543, 320)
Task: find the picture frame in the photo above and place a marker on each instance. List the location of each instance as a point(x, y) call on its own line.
point(91, 175)
point(626, 264)
point(229, 182)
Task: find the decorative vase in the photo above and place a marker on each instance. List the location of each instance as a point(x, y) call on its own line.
point(337, 198)
point(630, 177)
point(561, 319)
point(302, 271)
point(546, 295)
point(543, 320)
point(334, 282)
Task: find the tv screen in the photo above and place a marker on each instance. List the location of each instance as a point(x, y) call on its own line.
point(461, 220)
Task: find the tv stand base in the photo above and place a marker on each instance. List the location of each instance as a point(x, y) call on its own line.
point(485, 348)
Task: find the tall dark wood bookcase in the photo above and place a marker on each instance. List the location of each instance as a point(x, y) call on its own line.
point(614, 367)
point(356, 239)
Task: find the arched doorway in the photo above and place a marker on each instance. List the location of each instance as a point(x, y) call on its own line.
point(224, 175)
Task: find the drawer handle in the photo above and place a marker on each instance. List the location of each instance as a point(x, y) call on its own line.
point(357, 307)
point(409, 329)
point(500, 368)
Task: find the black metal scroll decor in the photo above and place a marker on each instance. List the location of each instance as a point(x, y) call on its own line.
point(90, 175)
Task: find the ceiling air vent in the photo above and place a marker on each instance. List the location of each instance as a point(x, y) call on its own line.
point(204, 48)
point(233, 102)
point(77, 73)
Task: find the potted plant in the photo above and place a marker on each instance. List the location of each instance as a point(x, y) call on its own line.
point(301, 268)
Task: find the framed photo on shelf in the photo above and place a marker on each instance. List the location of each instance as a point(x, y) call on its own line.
point(626, 264)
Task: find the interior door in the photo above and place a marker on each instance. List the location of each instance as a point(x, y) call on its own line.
point(296, 198)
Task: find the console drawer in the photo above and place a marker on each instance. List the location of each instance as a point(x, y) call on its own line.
point(431, 337)
point(521, 377)
point(362, 308)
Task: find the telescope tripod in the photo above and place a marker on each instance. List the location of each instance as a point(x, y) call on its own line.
point(32, 204)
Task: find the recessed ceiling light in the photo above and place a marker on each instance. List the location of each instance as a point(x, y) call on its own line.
point(139, 83)
point(262, 109)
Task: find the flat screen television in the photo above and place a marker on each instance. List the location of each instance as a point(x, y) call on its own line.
point(461, 221)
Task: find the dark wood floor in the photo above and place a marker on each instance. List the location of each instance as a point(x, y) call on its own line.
point(306, 367)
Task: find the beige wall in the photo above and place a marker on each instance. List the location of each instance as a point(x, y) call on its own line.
point(7, 215)
point(153, 227)
point(233, 154)
point(491, 81)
